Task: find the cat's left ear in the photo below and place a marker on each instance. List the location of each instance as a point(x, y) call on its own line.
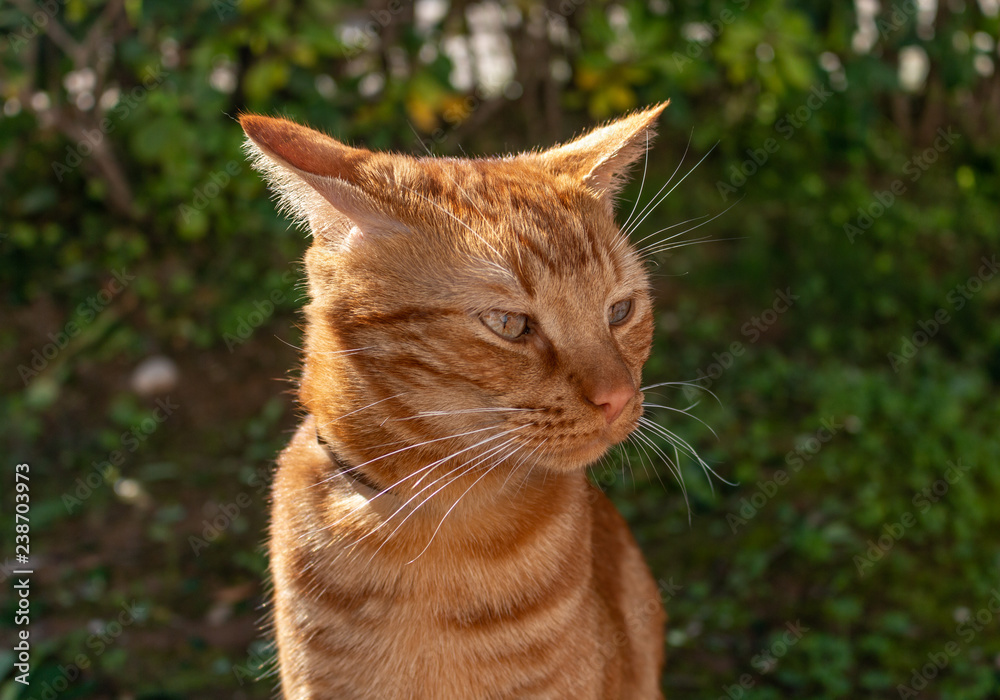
point(601, 159)
point(319, 180)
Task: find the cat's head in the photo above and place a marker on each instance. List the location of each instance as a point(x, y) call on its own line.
point(483, 307)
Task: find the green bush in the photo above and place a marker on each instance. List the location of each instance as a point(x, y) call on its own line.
point(856, 414)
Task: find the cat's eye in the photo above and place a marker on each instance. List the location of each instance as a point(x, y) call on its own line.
point(619, 311)
point(505, 324)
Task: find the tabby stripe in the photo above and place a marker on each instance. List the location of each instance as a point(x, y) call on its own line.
point(322, 590)
point(596, 251)
point(556, 604)
point(538, 252)
point(403, 367)
point(407, 314)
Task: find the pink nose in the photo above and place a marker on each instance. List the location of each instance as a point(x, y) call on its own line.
point(612, 400)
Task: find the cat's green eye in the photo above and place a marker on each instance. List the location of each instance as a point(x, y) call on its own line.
point(505, 324)
point(619, 311)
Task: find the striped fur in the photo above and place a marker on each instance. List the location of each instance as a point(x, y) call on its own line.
point(433, 532)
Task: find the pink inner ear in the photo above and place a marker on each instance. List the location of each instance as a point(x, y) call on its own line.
point(303, 148)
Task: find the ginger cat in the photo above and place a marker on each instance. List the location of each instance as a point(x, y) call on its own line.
point(475, 338)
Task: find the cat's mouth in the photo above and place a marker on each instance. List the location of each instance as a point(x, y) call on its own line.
point(578, 454)
point(586, 450)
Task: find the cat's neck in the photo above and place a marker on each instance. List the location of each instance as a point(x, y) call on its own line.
point(483, 509)
point(339, 465)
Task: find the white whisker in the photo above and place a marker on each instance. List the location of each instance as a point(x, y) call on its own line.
point(478, 444)
point(628, 460)
point(664, 197)
point(514, 467)
point(643, 464)
point(424, 469)
point(481, 458)
point(693, 385)
point(462, 411)
point(667, 228)
point(527, 474)
point(685, 412)
point(642, 183)
point(674, 469)
point(628, 229)
point(658, 244)
point(673, 465)
point(462, 223)
point(687, 449)
point(697, 241)
point(657, 248)
point(414, 130)
point(455, 504)
point(363, 408)
point(404, 449)
point(348, 351)
point(416, 494)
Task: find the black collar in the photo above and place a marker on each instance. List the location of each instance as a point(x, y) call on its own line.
point(347, 471)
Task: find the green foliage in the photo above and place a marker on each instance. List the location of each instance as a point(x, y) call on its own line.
point(867, 403)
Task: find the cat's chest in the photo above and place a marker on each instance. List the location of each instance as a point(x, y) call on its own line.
point(463, 627)
point(481, 646)
point(462, 579)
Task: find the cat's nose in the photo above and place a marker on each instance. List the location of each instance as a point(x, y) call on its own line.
point(611, 399)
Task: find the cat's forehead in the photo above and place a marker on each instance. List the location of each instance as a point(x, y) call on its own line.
point(515, 203)
point(542, 224)
point(497, 187)
point(534, 237)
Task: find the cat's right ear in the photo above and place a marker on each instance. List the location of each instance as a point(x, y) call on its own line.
point(319, 180)
point(601, 159)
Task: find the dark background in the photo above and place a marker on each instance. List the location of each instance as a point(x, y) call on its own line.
point(843, 316)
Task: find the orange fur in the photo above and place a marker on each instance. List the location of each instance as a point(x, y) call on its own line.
point(433, 531)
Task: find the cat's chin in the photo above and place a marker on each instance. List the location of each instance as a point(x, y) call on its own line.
point(579, 456)
point(584, 452)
